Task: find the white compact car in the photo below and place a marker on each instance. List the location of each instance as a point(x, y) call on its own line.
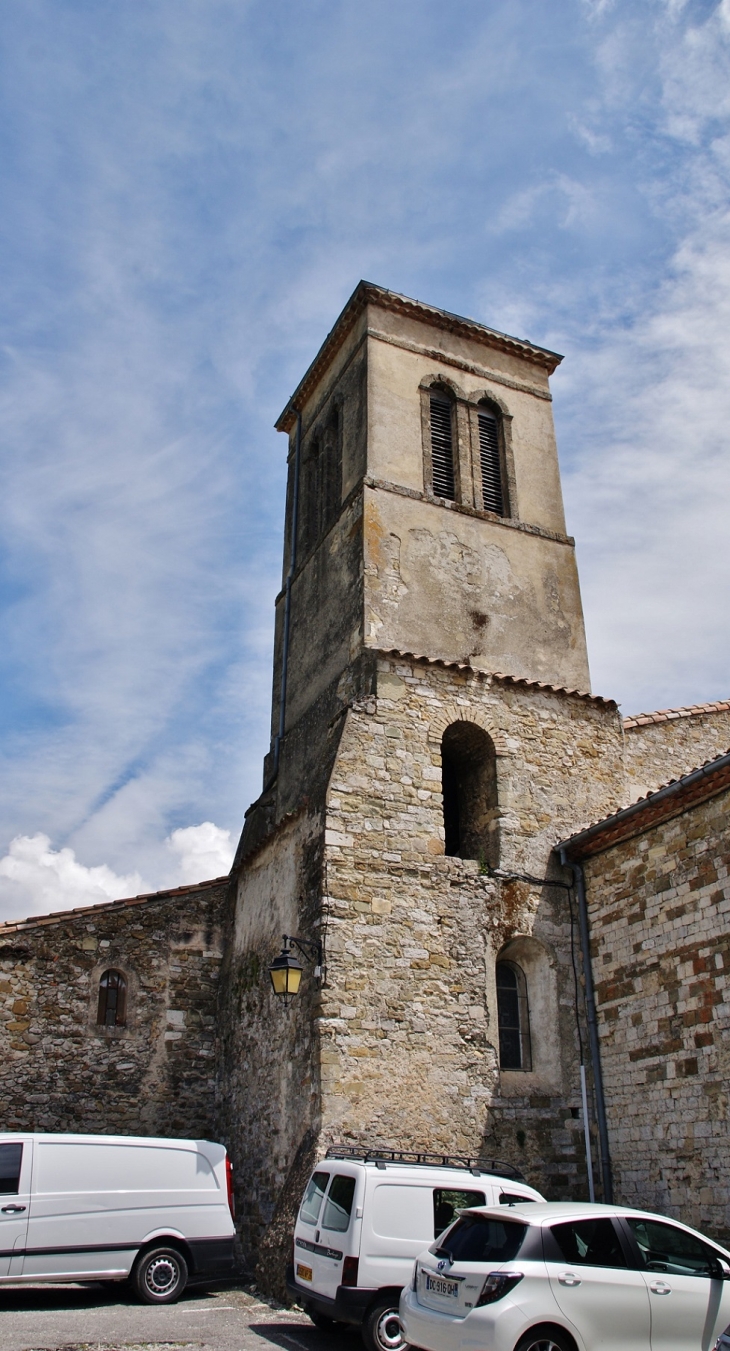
point(111, 1207)
point(567, 1277)
point(363, 1219)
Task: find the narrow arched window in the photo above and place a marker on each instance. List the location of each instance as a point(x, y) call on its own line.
point(443, 479)
point(513, 1018)
point(469, 786)
point(490, 458)
point(112, 1009)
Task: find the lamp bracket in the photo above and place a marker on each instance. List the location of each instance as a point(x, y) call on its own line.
point(310, 949)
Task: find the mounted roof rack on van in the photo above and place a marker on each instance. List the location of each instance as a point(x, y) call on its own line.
point(383, 1156)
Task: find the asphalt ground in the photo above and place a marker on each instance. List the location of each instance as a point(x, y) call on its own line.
point(92, 1318)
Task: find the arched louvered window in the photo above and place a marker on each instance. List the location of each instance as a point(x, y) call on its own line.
point(513, 1018)
point(112, 1009)
point(491, 462)
point(442, 445)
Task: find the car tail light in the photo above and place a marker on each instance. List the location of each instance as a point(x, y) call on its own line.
point(229, 1184)
point(497, 1285)
point(349, 1270)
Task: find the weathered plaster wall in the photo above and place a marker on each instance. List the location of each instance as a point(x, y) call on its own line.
point(662, 747)
point(269, 1098)
point(59, 1071)
point(454, 585)
point(659, 907)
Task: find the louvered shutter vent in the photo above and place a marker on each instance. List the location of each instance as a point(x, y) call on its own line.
point(492, 494)
point(442, 452)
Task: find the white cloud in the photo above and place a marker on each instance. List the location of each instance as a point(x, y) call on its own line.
point(36, 879)
point(203, 851)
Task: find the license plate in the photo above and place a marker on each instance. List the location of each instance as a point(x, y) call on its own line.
point(304, 1273)
point(438, 1285)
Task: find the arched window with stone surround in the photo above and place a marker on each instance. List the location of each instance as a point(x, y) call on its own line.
point(469, 786)
point(513, 1017)
point(112, 1006)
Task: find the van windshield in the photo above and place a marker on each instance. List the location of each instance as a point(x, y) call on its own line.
point(476, 1238)
point(312, 1202)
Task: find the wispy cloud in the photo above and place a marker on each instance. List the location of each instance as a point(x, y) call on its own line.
point(190, 193)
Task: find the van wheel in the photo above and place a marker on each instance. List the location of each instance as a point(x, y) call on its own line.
point(160, 1276)
point(381, 1329)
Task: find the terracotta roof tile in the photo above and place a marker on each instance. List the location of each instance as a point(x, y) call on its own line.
point(14, 926)
point(495, 675)
point(670, 714)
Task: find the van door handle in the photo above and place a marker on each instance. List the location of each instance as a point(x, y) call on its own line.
point(12, 1210)
point(661, 1288)
point(569, 1278)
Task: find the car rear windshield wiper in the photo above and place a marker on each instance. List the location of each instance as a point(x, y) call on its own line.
point(444, 1252)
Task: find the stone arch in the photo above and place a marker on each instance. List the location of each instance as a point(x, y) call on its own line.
point(452, 713)
point(432, 381)
point(478, 396)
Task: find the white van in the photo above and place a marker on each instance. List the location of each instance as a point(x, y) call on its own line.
point(115, 1207)
point(367, 1215)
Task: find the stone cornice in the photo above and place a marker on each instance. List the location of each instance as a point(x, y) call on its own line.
point(367, 293)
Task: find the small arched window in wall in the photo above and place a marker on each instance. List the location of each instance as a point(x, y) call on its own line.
point(490, 459)
point(443, 479)
point(469, 785)
point(513, 1017)
point(112, 1008)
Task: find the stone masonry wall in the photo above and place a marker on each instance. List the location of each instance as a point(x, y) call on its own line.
point(659, 908)
point(408, 1025)
point(664, 746)
point(59, 1071)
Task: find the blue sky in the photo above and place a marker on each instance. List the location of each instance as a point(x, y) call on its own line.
point(190, 192)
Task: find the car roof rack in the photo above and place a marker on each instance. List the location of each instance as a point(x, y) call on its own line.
point(382, 1157)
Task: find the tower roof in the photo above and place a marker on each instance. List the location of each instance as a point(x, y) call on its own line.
point(367, 293)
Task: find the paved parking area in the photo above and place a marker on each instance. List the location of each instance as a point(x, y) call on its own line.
point(90, 1318)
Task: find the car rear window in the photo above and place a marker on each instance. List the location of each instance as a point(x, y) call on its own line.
point(10, 1159)
point(316, 1188)
point(476, 1238)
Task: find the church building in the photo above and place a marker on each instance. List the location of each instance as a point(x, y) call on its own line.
point(502, 912)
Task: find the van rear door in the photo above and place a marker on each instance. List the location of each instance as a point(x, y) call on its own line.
point(16, 1159)
point(336, 1232)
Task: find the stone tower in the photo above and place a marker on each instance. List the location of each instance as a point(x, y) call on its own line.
point(431, 722)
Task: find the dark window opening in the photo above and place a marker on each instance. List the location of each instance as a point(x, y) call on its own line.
point(513, 1018)
point(664, 1248)
point(442, 447)
point(589, 1243)
point(469, 786)
point(491, 463)
point(112, 1010)
point(321, 483)
point(11, 1157)
point(446, 1204)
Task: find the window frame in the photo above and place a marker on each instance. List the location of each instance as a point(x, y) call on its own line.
point(523, 1016)
point(103, 998)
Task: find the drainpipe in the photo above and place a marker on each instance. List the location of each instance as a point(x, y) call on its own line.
point(287, 602)
point(585, 943)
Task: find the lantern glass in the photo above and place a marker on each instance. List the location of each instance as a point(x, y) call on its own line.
point(286, 975)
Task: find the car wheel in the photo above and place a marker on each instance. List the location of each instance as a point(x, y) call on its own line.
point(381, 1329)
point(160, 1276)
point(545, 1339)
